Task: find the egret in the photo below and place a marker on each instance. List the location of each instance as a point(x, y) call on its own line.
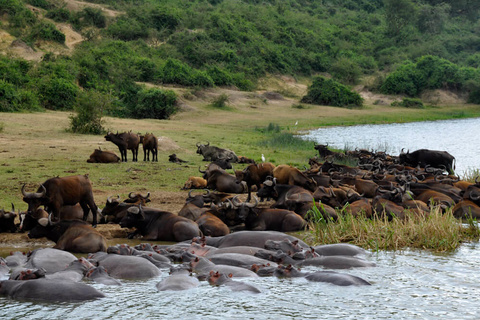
point(296, 122)
point(263, 158)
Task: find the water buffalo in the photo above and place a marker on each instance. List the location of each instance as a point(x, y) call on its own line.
point(286, 174)
point(425, 157)
point(195, 183)
point(57, 192)
point(154, 224)
point(150, 144)
point(125, 141)
point(100, 156)
point(7, 220)
point(254, 174)
point(212, 153)
point(70, 235)
point(114, 210)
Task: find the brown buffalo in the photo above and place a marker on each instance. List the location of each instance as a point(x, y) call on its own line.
point(100, 156)
point(125, 141)
point(211, 225)
point(150, 144)
point(254, 174)
point(286, 174)
point(70, 235)
point(7, 220)
point(114, 210)
point(57, 192)
point(195, 183)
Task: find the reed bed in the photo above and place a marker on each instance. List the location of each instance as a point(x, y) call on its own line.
point(438, 231)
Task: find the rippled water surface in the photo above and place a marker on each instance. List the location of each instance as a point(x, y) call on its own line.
point(458, 137)
point(405, 285)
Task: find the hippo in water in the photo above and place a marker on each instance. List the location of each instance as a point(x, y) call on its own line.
point(336, 278)
point(48, 290)
point(220, 279)
point(178, 280)
point(250, 238)
point(203, 267)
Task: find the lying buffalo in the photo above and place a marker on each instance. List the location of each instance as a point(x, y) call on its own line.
point(100, 156)
point(425, 157)
point(154, 224)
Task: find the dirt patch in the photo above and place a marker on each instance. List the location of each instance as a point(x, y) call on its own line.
point(436, 97)
point(167, 144)
point(73, 5)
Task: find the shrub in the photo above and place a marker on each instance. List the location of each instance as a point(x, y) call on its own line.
point(409, 103)
point(17, 99)
point(331, 93)
point(154, 104)
point(59, 15)
point(89, 111)
point(58, 93)
point(175, 71)
point(44, 4)
point(219, 76)
point(47, 31)
point(92, 17)
point(127, 29)
point(221, 101)
point(346, 70)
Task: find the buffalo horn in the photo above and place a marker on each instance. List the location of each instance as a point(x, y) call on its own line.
point(201, 170)
point(250, 205)
point(474, 197)
point(130, 195)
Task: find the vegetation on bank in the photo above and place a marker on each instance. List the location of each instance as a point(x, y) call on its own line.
point(438, 231)
point(403, 46)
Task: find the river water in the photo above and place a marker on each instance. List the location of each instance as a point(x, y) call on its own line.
point(458, 137)
point(405, 285)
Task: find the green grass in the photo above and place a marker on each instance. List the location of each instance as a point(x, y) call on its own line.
point(439, 232)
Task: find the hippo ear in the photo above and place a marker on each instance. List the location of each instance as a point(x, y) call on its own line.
point(43, 222)
point(230, 275)
point(133, 210)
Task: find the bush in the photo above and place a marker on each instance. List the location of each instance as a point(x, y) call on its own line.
point(154, 104)
point(46, 31)
point(221, 101)
point(59, 15)
point(16, 99)
point(58, 93)
point(346, 70)
point(331, 93)
point(409, 103)
point(127, 29)
point(92, 17)
point(90, 108)
point(177, 72)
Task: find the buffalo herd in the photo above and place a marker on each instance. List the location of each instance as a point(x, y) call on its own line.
point(219, 235)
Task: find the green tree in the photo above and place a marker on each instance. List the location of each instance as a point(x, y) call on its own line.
point(398, 14)
point(331, 93)
point(90, 108)
point(431, 19)
point(154, 104)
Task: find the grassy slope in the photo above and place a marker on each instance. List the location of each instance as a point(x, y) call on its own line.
point(35, 147)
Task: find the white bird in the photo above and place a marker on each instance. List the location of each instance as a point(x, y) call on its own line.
point(296, 122)
point(263, 158)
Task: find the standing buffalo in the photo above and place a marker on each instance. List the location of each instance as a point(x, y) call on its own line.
point(425, 157)
point(254, 174)
point(57, 192)
point(125, 141)
point(100, 156)
point(212, 153)
point(150, 144)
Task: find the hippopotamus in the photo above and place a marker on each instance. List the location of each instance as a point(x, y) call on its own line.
point(51, 260)
point(239, 260)
point(238, 249)
point(100, 275)
point(251, 238)
point(4, 269)
point(128, 267)
point(203, 266)
point(336, 278)
point(219, 279)
point(16, 259)
point(158, 260)
point(49, 290)
point(179, 280)
point(339, 249)
point(74, 272)
point(26, 274)
point(337, 262)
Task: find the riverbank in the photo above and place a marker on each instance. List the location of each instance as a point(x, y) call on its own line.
point(36, 146)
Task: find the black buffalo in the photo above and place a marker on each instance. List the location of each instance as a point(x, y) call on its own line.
point(425, 157)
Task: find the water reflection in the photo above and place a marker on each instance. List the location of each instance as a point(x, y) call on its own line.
point(458, 137)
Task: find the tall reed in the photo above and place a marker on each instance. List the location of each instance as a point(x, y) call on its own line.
point(437, 231)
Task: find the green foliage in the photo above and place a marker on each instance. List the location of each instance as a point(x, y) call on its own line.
point(45, 30)
point(346, 70)
point(127, 29)
point(220, 102)
point(155, 104)
point(398, 15)
point(331, 93)
point(177, 72)
point(90, 107)
point(429, 72)
point(91, 17)
point(15, 99)
point(409, 103)
point(58, 93)
point(432, 19)
point(44, 4)
point(59, 15)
